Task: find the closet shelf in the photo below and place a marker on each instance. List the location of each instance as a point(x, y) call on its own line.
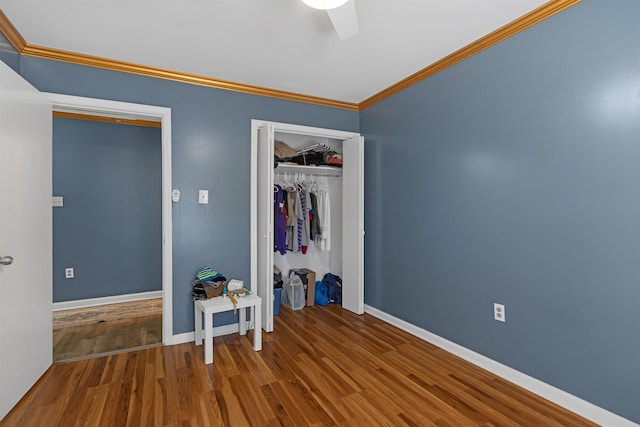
point(315, 170)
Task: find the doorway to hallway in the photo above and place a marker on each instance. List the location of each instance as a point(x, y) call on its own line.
point(107, 234)
point(99, 330)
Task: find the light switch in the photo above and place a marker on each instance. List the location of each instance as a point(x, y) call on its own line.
point(57, 201)
point(203, 197)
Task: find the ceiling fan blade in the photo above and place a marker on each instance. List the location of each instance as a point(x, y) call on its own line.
point(345, 20)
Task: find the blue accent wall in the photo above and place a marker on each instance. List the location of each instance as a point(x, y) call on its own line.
point(211, 147)
point(514, 177)
point(511, 177)
point(110, 227)
point(8, 54)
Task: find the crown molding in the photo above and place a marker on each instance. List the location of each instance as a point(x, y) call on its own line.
point(24, 48)
point(532, 18)
point(127, 67)
point(77, 116)
point(11, 33)
point(538, 15)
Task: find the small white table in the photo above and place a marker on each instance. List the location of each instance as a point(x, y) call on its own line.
point(220, 304)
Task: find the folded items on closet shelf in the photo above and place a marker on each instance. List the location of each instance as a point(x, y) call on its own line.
point(282, 151)
point(316, 155)
point(333, 159)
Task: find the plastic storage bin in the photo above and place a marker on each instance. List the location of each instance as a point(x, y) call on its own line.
point(293, 293)
point(277, 298)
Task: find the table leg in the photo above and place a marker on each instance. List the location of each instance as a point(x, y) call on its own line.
point(208, 338)
point(242, 321)
point(257, 327)
point(197, 313)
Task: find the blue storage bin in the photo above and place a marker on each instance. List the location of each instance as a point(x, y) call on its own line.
point(277, 298)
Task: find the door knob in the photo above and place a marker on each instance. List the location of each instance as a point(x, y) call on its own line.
point(6, 260)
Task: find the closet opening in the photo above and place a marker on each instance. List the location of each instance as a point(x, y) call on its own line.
point(307, 213)
point(308, 198)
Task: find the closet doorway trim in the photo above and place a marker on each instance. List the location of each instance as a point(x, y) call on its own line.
point(279, 128)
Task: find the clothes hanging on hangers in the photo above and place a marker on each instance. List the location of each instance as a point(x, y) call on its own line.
point(292, 220)
point(303, 222)
point(314, 216)
point(279, 220)
point(301, 214)
point(323, 238)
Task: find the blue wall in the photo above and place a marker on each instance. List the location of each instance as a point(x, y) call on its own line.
point(8, 54)
point(514, 177)
point(211, 147)
point(110, 228)
point(511, 177)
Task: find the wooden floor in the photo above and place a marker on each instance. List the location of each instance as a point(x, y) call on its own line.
point(96, 338)
point(107, 312)
point(322, 366)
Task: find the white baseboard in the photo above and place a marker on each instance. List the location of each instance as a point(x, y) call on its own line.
point(92, 302)
point(217, 332)
point(574, 404)
point(182, 338)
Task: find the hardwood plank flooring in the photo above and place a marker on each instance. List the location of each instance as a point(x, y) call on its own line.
point(104, 337)
point(107, 312)
point(322, 366)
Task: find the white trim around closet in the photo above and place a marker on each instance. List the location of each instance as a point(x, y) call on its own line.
point(281, 128)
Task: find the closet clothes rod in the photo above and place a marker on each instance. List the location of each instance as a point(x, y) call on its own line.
point(326, 175)
point(327, 171)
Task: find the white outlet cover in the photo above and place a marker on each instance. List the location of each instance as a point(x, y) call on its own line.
point(57, 201)
point(175, 196)
point(498, 312)
point(68, 273)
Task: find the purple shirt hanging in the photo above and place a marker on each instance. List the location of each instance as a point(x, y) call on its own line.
point(279, 221)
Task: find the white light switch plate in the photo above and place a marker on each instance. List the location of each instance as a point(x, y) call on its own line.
point(57, 201)
point(203, 197)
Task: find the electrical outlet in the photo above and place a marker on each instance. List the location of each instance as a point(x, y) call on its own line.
point(68, 273)
point(498, 312)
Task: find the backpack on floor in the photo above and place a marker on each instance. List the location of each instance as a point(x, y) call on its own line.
point(334, 288)
point(321, 296)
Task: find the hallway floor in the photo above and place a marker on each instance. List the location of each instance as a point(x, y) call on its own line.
point(103, 329)
point(105, 337)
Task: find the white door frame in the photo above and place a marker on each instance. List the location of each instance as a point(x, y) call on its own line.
point(116, 109)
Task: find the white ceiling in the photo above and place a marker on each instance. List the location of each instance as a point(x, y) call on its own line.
point(276, 44)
